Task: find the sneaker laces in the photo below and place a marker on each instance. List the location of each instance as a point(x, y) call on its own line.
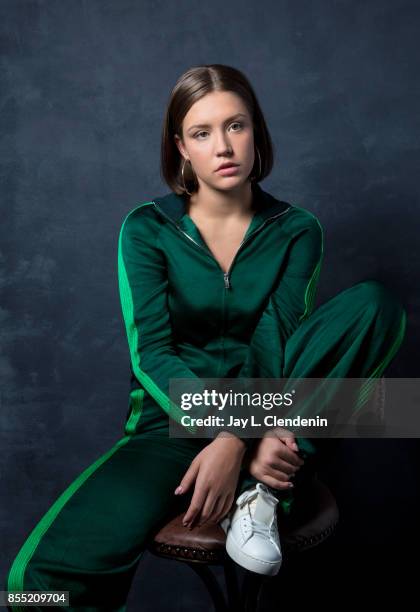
point(250, 496)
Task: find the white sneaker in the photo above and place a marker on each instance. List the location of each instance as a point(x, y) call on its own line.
point(252, 534)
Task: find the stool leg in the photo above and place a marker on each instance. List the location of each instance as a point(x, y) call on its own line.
point(212, 586)
point(232, 588)
point(252, 585)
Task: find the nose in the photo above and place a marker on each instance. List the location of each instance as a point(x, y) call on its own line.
point(223, 145)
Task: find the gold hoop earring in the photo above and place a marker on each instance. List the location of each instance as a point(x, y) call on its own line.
point(252, 178)
point(183, 178)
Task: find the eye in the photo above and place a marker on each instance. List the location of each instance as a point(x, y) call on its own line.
point(239, 123)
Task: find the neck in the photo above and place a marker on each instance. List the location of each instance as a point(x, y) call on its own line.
point(219, 205)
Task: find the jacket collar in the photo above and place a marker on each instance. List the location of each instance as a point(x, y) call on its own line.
point(173, 206)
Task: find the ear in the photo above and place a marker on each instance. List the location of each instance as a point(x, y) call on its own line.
point(180, 146)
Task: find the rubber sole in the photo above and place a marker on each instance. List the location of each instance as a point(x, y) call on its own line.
point(250, 563)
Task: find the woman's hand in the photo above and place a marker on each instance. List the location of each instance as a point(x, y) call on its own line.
point(215, 471)
point(274, 461)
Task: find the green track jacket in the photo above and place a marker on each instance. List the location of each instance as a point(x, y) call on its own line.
point(186, 318)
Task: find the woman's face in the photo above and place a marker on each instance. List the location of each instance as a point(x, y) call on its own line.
point(218, 129)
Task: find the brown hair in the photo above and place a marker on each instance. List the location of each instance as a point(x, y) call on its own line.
point(190, 87)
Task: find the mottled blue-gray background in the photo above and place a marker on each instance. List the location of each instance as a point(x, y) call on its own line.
point(84, 86)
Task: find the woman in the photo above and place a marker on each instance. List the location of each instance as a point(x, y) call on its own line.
point(217, 279)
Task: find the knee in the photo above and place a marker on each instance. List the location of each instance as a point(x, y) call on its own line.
point(376, 293)
point(381, 301)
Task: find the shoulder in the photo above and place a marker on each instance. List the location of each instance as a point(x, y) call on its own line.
point(303, 220)
point(140, 221)
point(296, 217)
point(305, 231)
point(143, 210)
point(303, 215)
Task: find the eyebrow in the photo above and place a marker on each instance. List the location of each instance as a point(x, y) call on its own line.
point(204, 125)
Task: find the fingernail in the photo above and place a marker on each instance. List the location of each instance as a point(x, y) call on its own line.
point(290, 485)
point(178, 490)
point(295, 446)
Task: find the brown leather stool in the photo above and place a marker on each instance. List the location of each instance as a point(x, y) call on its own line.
point(314, 519)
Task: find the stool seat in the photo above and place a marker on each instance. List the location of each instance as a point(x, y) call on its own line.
point(205, 543)
point(313, 518)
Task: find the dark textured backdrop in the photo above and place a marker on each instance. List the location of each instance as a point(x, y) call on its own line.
point(84, 85)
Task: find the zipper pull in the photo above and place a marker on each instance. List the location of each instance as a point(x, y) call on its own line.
point(226, 276)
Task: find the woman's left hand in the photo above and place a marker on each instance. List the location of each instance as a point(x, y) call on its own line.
point(215, 471)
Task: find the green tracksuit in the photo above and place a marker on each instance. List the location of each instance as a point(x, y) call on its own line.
point(186, 318)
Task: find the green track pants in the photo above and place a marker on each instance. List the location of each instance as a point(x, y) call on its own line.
point(92, 537)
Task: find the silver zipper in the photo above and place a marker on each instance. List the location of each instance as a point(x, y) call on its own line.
point(225, 274)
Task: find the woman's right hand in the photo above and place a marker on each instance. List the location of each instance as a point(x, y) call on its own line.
point(275, 460)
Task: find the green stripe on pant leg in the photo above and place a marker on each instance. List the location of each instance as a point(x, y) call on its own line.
point(366, 389)
point(16, 574)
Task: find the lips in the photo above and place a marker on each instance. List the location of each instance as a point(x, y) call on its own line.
point(227, 166)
